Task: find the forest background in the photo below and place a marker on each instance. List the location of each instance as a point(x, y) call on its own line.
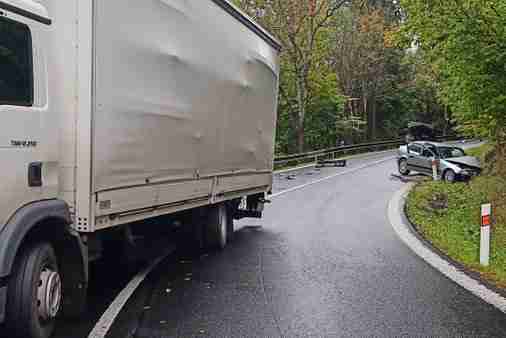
point(360, 70)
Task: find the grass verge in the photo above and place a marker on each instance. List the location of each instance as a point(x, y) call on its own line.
point(448, 215)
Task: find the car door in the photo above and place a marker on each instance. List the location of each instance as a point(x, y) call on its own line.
point(425, 160)
point(414, 153)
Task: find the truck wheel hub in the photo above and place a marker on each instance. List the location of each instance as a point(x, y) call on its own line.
point(49, 294)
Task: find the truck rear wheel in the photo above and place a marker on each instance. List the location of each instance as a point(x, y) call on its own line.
point(230, 225)
point(35, 293)
point(217, 227)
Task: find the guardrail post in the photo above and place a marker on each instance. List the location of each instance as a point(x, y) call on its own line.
point(486, 210)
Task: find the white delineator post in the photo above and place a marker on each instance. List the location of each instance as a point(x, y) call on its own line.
point(486, 210)
point(434, 170)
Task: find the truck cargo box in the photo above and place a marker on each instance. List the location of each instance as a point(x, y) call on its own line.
point(183, 107)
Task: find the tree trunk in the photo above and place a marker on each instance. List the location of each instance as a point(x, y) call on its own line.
point(300, 139)
point(501, 152)
point(373, 119)
point(301, 110)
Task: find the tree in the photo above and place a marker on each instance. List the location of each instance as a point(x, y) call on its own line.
point(465, 42)
point(300, 25)
point(337, 50)
point(391, 84)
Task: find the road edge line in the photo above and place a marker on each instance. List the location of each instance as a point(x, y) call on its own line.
point(107, 319)
point(404, 232)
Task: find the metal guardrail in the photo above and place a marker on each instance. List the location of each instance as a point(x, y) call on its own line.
point(331, 153)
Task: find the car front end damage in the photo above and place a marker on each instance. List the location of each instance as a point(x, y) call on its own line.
point(464, 167)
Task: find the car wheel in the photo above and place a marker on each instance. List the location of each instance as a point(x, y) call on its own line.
point(403, 167)
point(35, 293)
point(450, 176)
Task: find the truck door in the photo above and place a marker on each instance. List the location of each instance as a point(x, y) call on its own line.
point(23, 104)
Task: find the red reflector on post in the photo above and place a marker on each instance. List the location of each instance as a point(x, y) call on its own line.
point(486, 211)
point(485, 220)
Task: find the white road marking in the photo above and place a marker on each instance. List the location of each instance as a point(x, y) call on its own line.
point(367, 165)
point(395, 210)
point(351, 157)
point(282, 171)
point(105, 322)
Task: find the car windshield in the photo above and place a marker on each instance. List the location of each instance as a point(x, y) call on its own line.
point(450, 152)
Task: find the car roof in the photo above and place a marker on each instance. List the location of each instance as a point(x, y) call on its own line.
point(436, 144)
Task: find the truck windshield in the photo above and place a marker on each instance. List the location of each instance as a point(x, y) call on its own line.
point(16, 73)
point(450, 152)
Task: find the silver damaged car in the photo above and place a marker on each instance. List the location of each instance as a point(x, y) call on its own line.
point(451, 162)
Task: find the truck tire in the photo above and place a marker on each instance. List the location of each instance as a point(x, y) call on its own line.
point(230, 223)
point(217, 227)
point(35, 293)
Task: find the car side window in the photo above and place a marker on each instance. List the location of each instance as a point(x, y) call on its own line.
point(414, 148)
point(457, 152)
point(16, 64)
point(427, 153)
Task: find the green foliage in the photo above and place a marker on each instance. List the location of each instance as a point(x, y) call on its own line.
point(456, 229)
point(465, 41)
point(339, 50)
point(412, 95)
point(325, 108)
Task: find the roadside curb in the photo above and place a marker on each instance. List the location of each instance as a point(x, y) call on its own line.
point(434, 257)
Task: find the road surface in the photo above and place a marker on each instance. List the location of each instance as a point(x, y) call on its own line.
point(323, 262)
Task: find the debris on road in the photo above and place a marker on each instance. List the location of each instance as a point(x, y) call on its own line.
point(331, 163)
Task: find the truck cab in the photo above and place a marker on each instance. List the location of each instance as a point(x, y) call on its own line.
point(28, 144)
point(29, 154)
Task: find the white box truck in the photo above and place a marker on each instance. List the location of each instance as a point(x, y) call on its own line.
point(118, 111)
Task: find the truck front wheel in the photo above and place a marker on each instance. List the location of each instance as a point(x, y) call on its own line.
point(34, 293)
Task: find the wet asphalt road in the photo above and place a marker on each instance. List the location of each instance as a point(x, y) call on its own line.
point(323, 262)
